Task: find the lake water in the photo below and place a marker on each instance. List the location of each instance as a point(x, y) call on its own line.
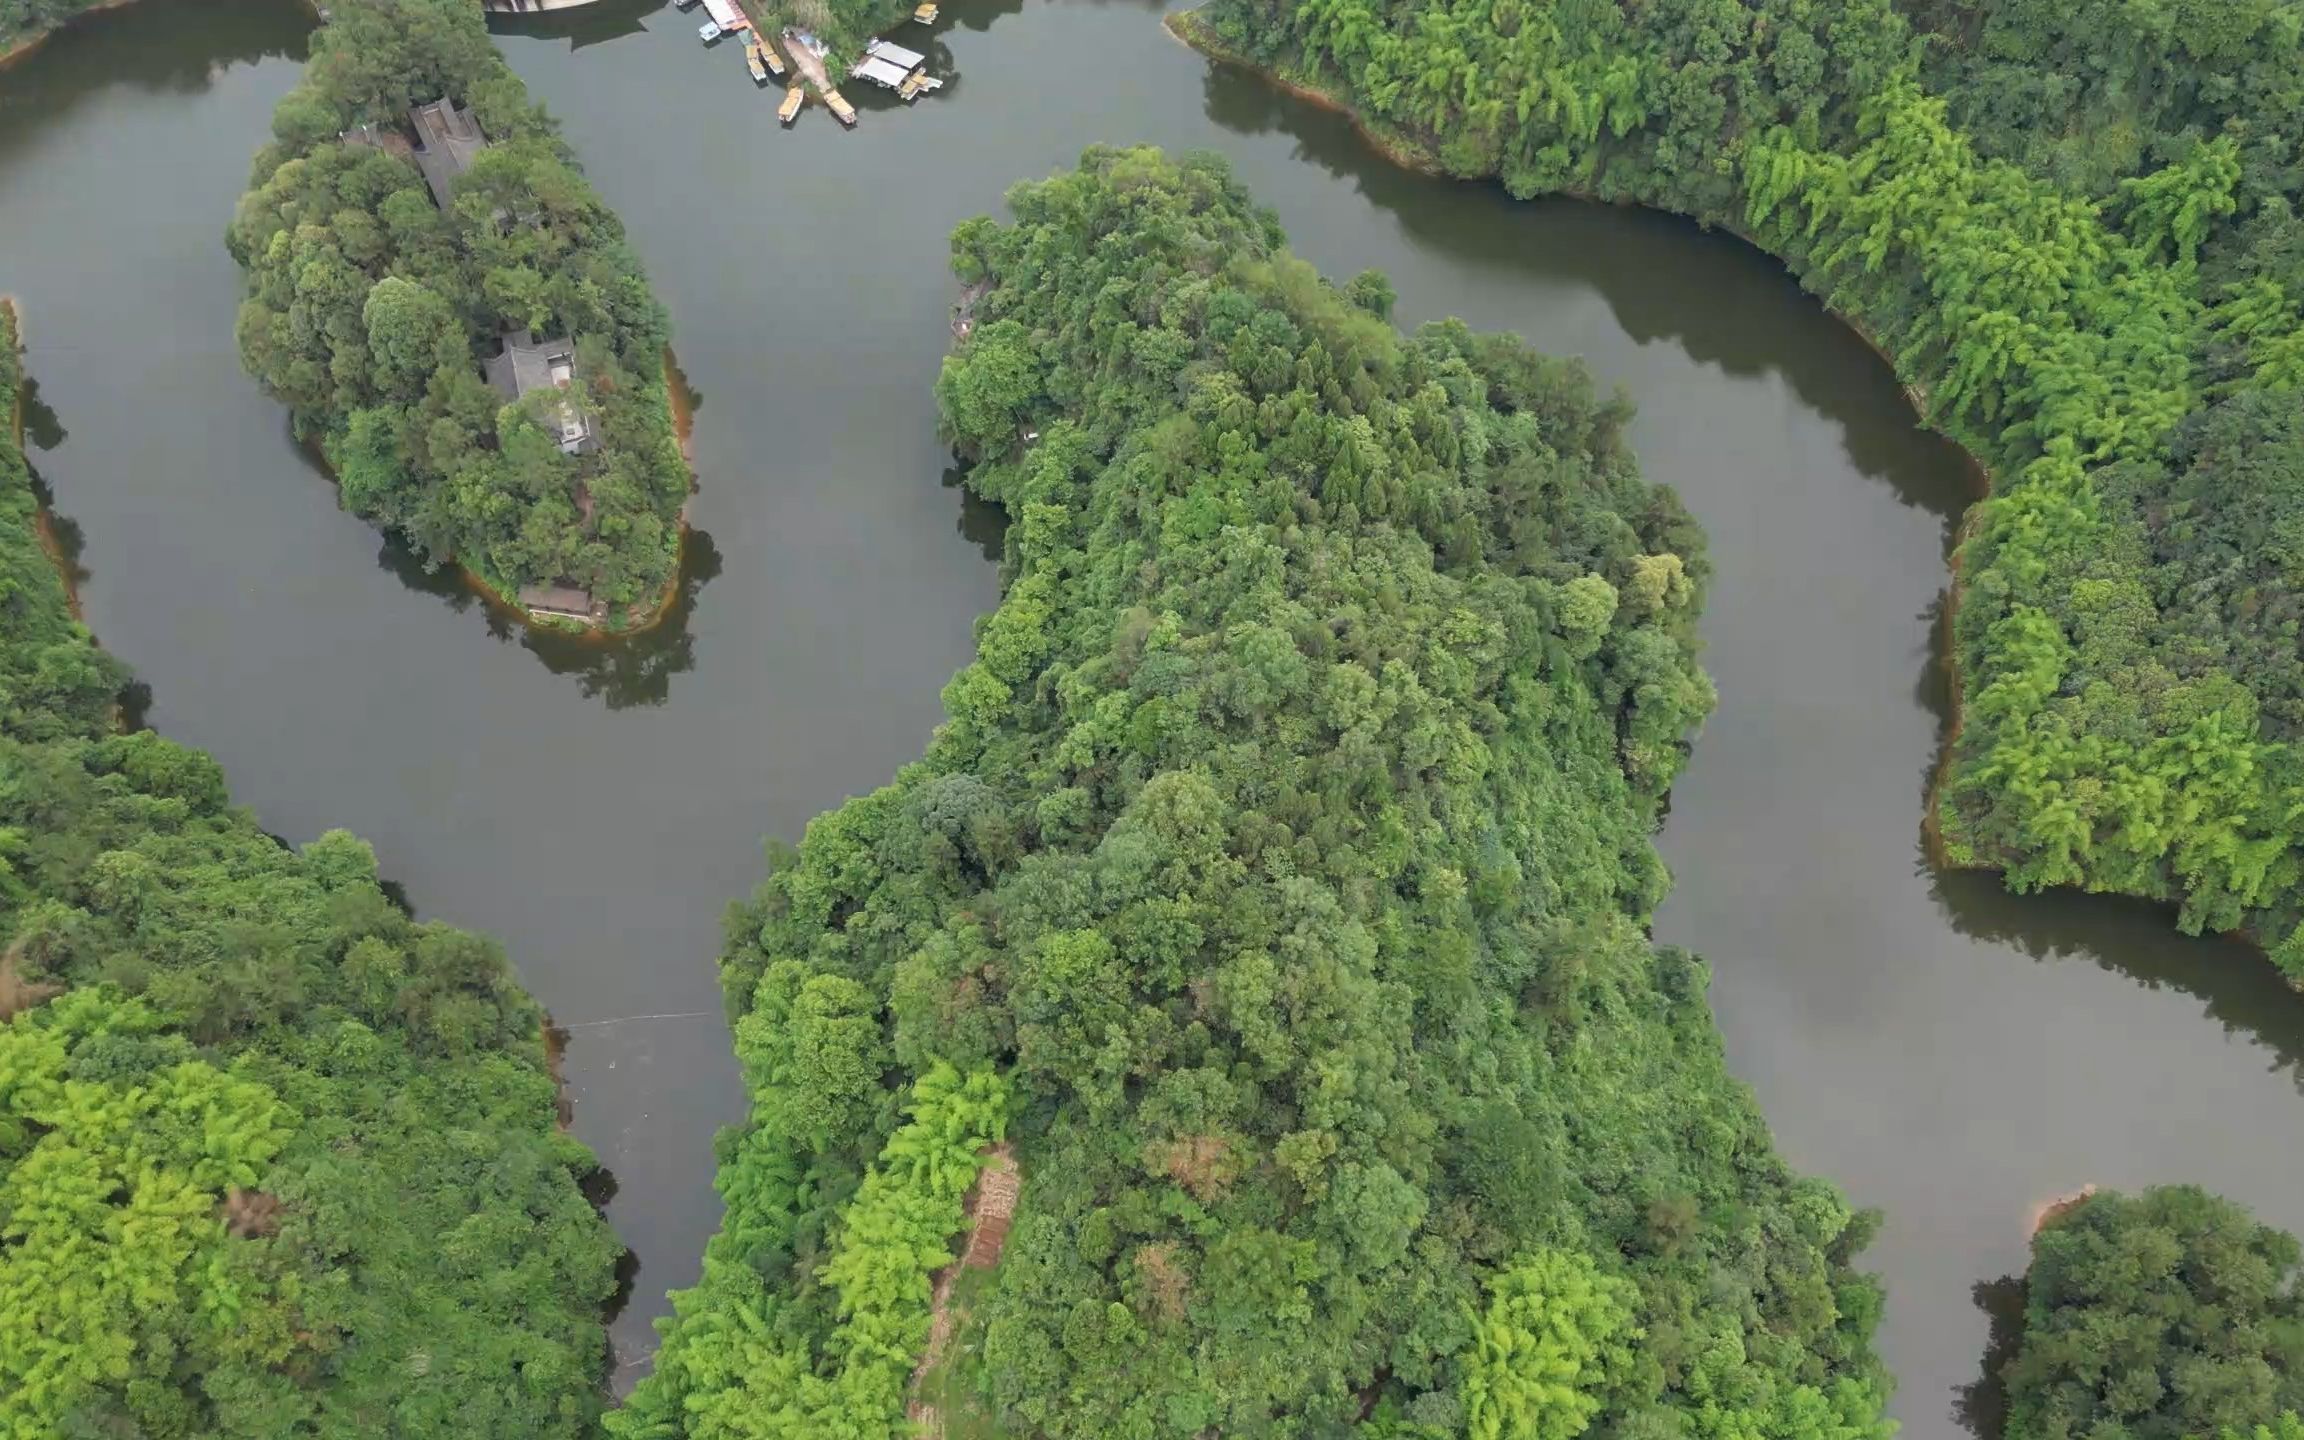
point(1940, 1048)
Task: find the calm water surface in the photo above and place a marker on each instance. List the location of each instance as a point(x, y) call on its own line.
point(1942, 1049)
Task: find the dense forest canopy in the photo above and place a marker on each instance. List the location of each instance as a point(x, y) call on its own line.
point(370, 308)
point(2167, 1315)
point(1279, 885)
point(2075, 227)
point(275, 1159)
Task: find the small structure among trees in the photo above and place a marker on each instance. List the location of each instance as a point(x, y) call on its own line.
point(448, 138)
point(526, 365)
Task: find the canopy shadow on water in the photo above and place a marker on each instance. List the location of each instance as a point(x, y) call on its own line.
point(1617, 251)
point(178, 50)
point(621, 671)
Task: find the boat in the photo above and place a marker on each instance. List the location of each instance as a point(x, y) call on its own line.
point(926, 14)
point(794, 98)
point(917, 85)
point(754, 63)
point(709, 31)
point(683, 4)
point(774, 61)
point(841, 110)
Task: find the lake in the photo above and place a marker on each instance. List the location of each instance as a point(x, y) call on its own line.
point(1943, 1050)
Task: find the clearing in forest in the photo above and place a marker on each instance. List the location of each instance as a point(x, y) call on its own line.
point(990, 1209)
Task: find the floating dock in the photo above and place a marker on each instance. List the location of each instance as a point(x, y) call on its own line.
point(794, 98)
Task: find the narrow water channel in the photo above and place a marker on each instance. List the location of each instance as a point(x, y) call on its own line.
point(1943, 1050)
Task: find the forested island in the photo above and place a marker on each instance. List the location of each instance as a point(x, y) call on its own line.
point(2171, 1314)
point(453, 315)
point(275, 1159)
point(1277, 887)
point(2074, 229)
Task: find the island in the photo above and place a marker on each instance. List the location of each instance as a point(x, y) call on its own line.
point(457, 322)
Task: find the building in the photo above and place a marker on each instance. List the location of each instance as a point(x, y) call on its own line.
point(564, 601)
point(448, 139)
point(880, 72)
point(526, 365)
point(895, 54)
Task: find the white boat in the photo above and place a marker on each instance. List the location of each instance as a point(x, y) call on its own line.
point(709, 31)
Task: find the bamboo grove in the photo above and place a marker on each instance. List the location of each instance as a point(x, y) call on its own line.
point(2073, 227)
point(1286, 853)
point(275, 1159)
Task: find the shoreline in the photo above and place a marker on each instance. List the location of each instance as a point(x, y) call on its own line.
point(30, 43)
point(1411, 154)
point(43, 522)
point(683, 424)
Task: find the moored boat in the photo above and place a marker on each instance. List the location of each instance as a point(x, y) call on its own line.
point(794, 98)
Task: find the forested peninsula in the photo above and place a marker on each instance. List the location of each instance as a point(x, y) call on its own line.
point(2074, 228)
point(275, 1159)
point(2171, 1314)
point(1276, 895)
point(453, 315)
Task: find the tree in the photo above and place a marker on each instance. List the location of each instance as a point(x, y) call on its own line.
point(2164, 1315)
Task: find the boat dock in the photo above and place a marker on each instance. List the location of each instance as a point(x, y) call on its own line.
point(885, 63)
point(894, 67)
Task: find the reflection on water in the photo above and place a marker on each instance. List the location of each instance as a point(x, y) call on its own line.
point(2236, 987)
point(982, 523)
point(621, 671)
point(179, 49)
point(1909, 1034)
point(1915, 1037)
point(594, 23)
point(43, 430)
point(1981, 1406)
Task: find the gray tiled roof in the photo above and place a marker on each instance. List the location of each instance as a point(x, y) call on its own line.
point(527, 364)
point(447, 141)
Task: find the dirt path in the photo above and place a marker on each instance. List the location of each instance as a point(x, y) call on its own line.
point(989, 1210)
point(809, 64)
